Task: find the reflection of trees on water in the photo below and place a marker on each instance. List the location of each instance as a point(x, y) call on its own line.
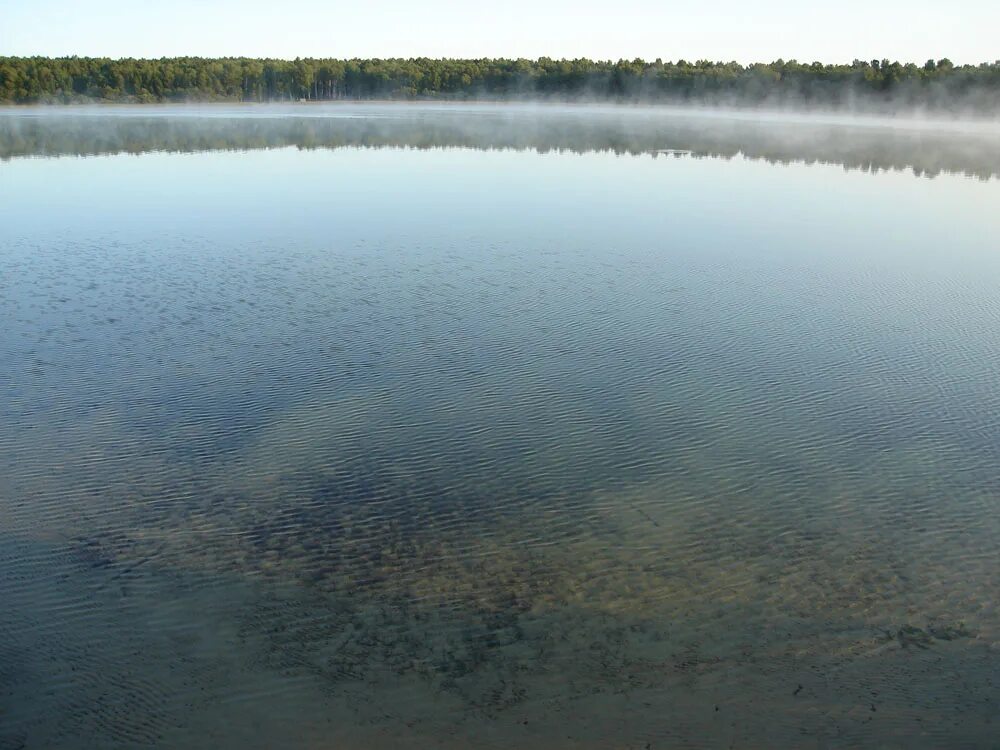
point(926, 152)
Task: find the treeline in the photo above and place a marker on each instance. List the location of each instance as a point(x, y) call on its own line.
point(878, 84)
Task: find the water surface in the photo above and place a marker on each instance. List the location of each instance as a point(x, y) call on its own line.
point(383, 426)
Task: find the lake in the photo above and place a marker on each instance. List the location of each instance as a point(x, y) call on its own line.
point(371, 426)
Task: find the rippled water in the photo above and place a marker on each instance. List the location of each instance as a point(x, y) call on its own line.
point(409, 427)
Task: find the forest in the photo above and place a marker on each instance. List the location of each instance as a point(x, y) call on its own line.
point(879, 85)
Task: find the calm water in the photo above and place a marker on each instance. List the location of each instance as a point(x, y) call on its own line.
point(439, 427)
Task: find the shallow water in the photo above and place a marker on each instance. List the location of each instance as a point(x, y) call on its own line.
point(414, 426)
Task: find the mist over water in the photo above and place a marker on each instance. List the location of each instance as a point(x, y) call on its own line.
point(924, 146)
point(404, 426)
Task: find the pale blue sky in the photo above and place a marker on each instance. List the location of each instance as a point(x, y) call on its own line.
point(964, 30)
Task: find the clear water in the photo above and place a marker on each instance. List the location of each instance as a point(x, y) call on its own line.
point(470, 427)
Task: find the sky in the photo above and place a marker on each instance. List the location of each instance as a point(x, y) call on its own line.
point(907, 30)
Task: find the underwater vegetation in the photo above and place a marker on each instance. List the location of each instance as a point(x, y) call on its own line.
point(365, 584)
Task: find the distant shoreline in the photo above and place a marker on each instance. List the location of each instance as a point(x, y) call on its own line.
point(879, 87)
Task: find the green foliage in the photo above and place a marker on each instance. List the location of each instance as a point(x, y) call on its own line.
point(884, 84)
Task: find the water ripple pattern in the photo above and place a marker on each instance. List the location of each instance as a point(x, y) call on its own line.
point(492, 448)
